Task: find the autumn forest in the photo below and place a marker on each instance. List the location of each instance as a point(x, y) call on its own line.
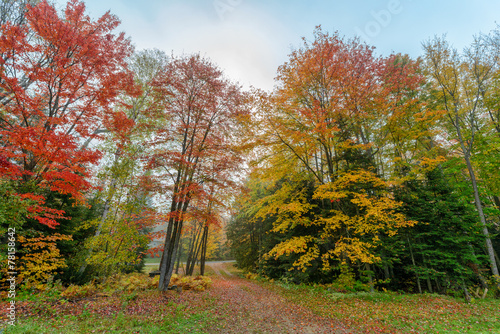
point(356, 173)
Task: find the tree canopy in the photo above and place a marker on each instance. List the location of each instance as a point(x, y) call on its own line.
point(357, 170)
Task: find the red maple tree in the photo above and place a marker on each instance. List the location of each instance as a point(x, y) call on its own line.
point(60, 76)
point(196, 118)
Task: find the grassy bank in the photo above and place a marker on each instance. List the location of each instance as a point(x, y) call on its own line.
point(130, 310)
point(386, 312)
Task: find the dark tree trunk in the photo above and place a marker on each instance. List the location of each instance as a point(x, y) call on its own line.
point(193, 253)
point(178, 258)
point(204, 241)
point(191, 259)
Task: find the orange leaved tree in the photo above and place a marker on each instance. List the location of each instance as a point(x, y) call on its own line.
point(324, 125)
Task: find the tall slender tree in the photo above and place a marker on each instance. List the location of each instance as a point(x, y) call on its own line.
point(460, 81)
point(199, 111)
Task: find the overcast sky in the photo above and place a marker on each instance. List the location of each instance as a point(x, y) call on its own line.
point(249, 39)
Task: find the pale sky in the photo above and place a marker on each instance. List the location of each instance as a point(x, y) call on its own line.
point(249, 39)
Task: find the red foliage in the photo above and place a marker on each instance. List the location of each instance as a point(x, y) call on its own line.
point(57, 87)
point(195, 150)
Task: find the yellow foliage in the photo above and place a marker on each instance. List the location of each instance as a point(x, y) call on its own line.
point(198, 283)
point(40, 260)
point(361, 211)
point(341, 187)
point(305, 260)
point(331, 224)
point(355, 249)
point(293, 245)
point(374, 211)
point(216, 238)
point(251, 276)
point(288, 205)
point(297, 245)
point(79, 291)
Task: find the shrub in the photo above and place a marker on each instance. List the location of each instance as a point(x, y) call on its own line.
point(39, 260)
point(198, 283)
point(128, 282)
point(79, 291)
point(346, 281)
point(251, 276)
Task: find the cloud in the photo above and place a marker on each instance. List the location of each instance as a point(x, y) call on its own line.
point(250, 39)
point(246, 43)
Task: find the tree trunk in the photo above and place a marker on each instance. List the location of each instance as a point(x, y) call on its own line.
point(193, 253)
point(204, 241)
point(466, 151)
point(476, 270)
point(428, 280)
point(370, 279)
point(191, 258)
point(178, 258)
point(439, 288)
point(170, 249)
point(496, 256)
point(171, 245)
point(387, 274)
point(466, 293)
point(414, 265)
point(479, 207)
point(429, 284)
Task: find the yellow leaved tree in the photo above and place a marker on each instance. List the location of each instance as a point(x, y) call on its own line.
point(357, 210)
point(326, 123)
point(362, 211)
point(40, 260)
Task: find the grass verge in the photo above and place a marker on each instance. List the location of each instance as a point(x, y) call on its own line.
point(386, 312)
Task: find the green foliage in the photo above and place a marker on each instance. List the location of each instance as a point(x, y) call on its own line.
point(246, 233)
point(117, 247)
point(346, 281)
point(72, 250)
point(447, 243)
point(13, 209)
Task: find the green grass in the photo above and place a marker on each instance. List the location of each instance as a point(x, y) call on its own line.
point(152, 260)
point(178, 323)
point(192, 315)
point(150, 311)
point(386, 312)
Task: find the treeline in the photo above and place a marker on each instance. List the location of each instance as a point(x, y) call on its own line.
point(381, 172)
point(377, 172)
point(102, 145)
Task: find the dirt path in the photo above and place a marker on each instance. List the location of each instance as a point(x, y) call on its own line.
point(254, 309)
point(219, 267)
